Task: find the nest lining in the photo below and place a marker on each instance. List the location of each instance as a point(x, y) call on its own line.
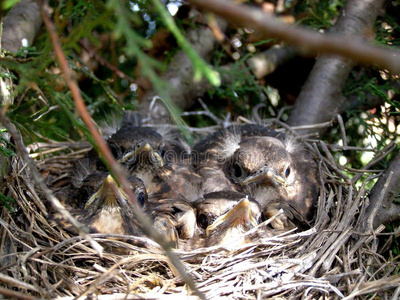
point(332, 259)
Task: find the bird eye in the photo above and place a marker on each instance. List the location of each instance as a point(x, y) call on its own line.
point(237, 170)
point(203, 221)
point(287, 172)
point(141, 197)
point(162, 151)
point(84, 195)
point(114, 150)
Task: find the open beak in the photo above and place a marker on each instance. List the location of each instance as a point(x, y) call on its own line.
point(155, 158)
point(239, 215)
point(265, 174)
point(109, 194)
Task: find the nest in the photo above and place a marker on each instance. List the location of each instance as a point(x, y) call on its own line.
point(333, 259)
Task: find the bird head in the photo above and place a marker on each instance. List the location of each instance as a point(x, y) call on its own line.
point(108, 208)
point(224, 215)
point(138, 146)
point(264, 161)
point(175, 219)
point(111, 195)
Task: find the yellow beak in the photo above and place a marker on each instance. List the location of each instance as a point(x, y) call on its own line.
point(264, 174)
point(146, 147)
point(108, 194)
point(239, 215)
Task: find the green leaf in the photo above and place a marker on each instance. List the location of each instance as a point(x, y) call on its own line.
point(8, 4)
point(7, 202)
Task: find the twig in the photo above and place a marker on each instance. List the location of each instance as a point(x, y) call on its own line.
point(379, 156)
point(338, 147)
point(377, 205)
point(255, 114)
point(342, 131)
point(15, 294)
point(17, 283)
point(143, 221)
point(85, 44)
point(203, 130)
point(313, 126)
point(209, 113)
point(282, 110)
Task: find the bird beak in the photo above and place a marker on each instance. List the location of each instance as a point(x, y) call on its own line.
point(239, 215)
point(109, 194)
point(266, 174)
point(155, 158)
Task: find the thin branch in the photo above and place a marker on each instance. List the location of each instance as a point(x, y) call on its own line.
point(387, 188)
point(86, 45)
point(374, 208)
point(119, 173)
point(15, 294)
point(342, 131)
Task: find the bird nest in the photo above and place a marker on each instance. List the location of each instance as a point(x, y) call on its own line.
point(332, 259)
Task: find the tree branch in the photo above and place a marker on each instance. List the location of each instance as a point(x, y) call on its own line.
point(21, 23)
point(266, 62)
point(320, 99)
point(309, 41)
point(382, 195)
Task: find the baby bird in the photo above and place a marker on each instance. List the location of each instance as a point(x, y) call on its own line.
point(103, 206)
point(211, 153)
point(223, 217)
point(109, 210)
point(258, 161)
point(174, 218)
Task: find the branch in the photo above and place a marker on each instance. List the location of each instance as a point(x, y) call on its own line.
point(116, 169)
point(21, 23)
point(266, 62)
point(320, 99)
point(306, 40)
point(382, 209)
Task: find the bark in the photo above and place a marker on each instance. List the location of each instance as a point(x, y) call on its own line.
point(382, 209)
point(320, 99)
point(266, 62)
point(22, 22)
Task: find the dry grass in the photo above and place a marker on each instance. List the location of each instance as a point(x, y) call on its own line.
point(332, 259)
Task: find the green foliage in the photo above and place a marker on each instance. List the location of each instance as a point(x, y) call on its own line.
point(241, 92)
point(7, 202)
point(148, 64)
point(5, 145)
point(319, 14)
point(7, 4)
point(200, 67)
point(387, 31)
